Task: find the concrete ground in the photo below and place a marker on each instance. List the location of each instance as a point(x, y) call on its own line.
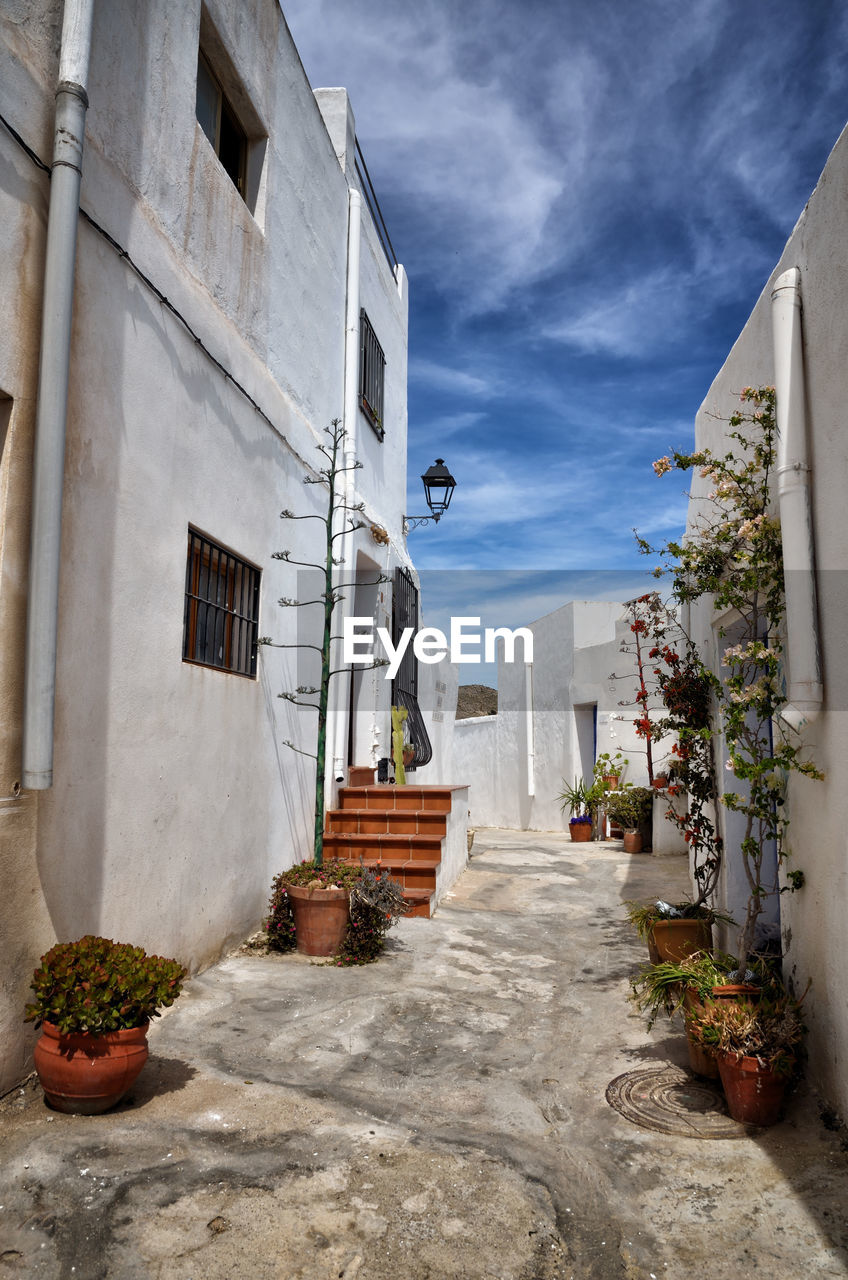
point(439, 1114)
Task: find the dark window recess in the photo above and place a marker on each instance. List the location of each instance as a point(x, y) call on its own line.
point(221, 608)
point(372, 369)
point(218, 121)
point(405, 683)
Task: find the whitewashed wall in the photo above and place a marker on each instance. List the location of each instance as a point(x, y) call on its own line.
point(174, 801)
point(575, 650)
point(813, 920)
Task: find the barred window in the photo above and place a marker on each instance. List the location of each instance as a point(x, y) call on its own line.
point(221, 608)
point(372, 367)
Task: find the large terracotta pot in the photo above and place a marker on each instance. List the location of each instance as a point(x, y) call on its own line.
point(84, 1074)
point(677, 939)
point(320, 918)
point(580, 830)
point(754, 1093)
point(632, 841)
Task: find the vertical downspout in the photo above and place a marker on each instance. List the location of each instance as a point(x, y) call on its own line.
point(530, 727)
point(340, 706)
point(49, 459)
point(805, 693)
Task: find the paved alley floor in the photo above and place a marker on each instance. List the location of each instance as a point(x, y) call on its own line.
point(440, 1114)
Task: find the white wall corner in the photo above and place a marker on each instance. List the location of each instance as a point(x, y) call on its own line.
point(337, 114)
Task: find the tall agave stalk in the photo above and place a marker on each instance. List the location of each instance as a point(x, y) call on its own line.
point(338, 519)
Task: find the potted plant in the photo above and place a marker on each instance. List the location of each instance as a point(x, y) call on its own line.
point(669, 985)
point(758, 1047)
point(310, 906)
point(674, 931)
point(579, 799)
point(368, 904)
point(94, 999)
point(629, 807)
point(609, 769)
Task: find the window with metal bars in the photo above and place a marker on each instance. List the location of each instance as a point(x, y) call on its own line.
point(372, 368)
point(221, 608)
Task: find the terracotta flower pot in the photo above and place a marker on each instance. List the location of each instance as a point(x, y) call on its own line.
point(85, 1074)
point(736, 991)
point(580, 830)
point(611, 781)
point(320, 918)
point(408, 755)
point(754, 1094)
point(661, 781)
point(632, 841)
point(677, 939)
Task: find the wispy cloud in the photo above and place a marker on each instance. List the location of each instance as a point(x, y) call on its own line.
point(588, 200)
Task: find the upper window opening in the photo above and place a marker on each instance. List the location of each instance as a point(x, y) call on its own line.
point(372, 368)
point(218, 121)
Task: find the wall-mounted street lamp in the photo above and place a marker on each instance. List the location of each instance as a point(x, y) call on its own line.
point(439, 485)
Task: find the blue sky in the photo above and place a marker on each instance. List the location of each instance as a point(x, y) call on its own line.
point(588, 199)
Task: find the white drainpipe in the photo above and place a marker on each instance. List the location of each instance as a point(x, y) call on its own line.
point(805, 693)
point(531, 736)
point(49, 458)
point(340, 689)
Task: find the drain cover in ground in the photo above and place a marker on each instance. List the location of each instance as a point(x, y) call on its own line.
point(670, 1100)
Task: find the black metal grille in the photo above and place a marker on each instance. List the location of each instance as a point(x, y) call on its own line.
point(221, 608)
point(372, 369)
point(405, 683)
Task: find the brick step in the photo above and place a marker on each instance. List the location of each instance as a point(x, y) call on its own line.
point(419, 874)
point(420, 902)
point(396, 822)
point(383, 797)
point(352, 847)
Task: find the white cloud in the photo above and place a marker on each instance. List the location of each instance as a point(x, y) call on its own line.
point(444, 378)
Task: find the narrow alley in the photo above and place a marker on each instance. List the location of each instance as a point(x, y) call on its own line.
point(443, 1113)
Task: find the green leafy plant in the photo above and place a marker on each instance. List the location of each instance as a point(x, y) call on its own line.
point(732, 556)
point(661, 988)
point(629, 806)
point(608, 765)
point(97, 985)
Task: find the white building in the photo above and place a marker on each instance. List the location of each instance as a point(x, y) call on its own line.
point(555, 717)
point(812, 392)
point(234, 293)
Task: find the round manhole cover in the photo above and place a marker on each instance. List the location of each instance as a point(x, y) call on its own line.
point(671, 1100)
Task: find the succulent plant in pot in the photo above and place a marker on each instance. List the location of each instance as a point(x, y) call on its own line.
point(758, 1046)
point(94, 999)
point(337, 910)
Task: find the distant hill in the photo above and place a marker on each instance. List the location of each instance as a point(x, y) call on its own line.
point(476, 700)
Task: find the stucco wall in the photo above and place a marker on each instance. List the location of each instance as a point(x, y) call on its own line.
point(575, 651)
point(174, 799)
point(812, 919)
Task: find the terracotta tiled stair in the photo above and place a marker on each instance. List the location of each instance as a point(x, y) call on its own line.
point(399, 829)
